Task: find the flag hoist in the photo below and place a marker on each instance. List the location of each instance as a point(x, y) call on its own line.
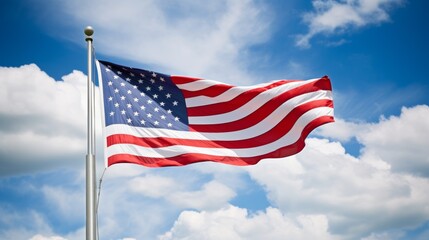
point(91, 196)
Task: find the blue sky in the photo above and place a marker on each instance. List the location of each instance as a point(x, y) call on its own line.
point(363, 177)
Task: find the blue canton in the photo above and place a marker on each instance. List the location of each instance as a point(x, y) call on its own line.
point(141, 98)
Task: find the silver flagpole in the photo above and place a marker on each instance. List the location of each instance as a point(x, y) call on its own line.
point(91, 219)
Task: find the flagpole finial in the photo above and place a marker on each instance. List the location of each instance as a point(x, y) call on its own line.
point(88, 32)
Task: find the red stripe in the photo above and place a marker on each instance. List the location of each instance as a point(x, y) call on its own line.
point(282, 128)
point(211, 91)
point(240, 100)
point(189, 158)
point(183, 80)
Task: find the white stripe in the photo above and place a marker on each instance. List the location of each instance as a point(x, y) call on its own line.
point(199, 85)
point(235, 91)
point(172, 151)
point(255, 104)
point(251, 132)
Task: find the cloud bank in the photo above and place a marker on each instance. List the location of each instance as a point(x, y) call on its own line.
point(42, 120)
point(323, 191)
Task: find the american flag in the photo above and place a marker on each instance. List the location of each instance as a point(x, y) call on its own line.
point(159, 120)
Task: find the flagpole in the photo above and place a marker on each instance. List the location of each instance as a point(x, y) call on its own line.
point(91, 224)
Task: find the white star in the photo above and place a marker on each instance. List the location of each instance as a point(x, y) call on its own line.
point(176, 119)
point(175, 103)
point(136, 113)
point(107, 70)
point(163, 117)
point(162, 104)
point(152, 81)
point(129, 92)
point(155, 96)
point(135, 99)
point(156, 109)
point(129, 120)
point(132, 74)
point(169, 111)
point(129, 105)
point(112, 113)
point(122, 84)
point(142, 122)
point(109, 83)
point(162, 79)
point(149, 115)
point(123, 112)
point(142, 94)
point(153, 74)
point(160, 88)
point(168, 95)
point(116, 104)
point(141, 74)
point(134, 86)
point(122, 98)
point(127, 79)
point(115, 77)
point(140, 81)
point(156, 123)
point(116, 90)
point(142, 107)
point(147, 88)
point(110, 99)
point(149, 101)
point(169, 125)
point(119, 72)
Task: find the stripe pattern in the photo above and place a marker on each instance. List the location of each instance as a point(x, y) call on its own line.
point(223, 123)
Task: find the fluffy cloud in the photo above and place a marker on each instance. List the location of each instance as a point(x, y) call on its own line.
point(212, 195)
point(41, 237)
point(207, 39)
point(333, 16)
point(236, 223)
point(401, 141)
point(396, 142)
point(22, 225)
point(42, 120)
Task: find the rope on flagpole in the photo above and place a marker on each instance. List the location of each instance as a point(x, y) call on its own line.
point(98, 198)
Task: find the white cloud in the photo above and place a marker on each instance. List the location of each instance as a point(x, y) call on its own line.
point(340, 130)
point(236, 223)
point(68, 203)
point(41, 237)
point(400, 141)
point(205, 39)
point(23, 224)
point(397, 142)
point(42, 120)
point(212, 195)
point(153, 186)
point(333, 16)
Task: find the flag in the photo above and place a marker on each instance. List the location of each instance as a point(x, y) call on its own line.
point(158, 120)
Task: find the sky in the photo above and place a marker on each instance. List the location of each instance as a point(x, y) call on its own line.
point(363, 177)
